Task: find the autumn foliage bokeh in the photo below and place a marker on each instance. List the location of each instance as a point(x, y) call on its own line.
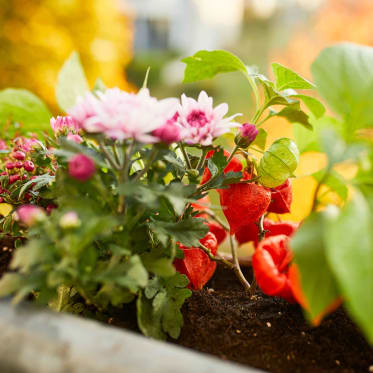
point(36, 36)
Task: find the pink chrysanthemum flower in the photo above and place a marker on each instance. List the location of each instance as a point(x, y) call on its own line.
point(64, 124)
point(121, 115)
point(200, 122)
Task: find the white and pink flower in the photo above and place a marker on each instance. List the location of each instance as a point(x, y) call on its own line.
point(200, 122)
point(121, 115)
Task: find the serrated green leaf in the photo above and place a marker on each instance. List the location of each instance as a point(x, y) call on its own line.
point(317, 279)
point(350, 254)
point(278, 163)
point(71, 82)
point(287, 78)
point(206, 64)
point(344, 78)
point(20, 105)
point(188, 231)
point(159, 306)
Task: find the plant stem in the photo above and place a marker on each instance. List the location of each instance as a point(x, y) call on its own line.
point(237, 268)
point(232, 154)
point(152, 157)
point(116, 155)
point(217, 259)
point(202, 159)
point(214, 217)
point(186, 157)
point(244, 261)
point(108, 155)
point(255, 90)
point(262, 231)
point(317, 190)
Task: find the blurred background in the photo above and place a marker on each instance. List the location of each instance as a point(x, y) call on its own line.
point(118, 39)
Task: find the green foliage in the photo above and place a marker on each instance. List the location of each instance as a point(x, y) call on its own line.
point(350, 253)
point(207, 64)
point(344, 77)
point(158, 306)
point(318, 282)
point(287, 78)
point(72, 82)
point(23, 107)
point(278, 163)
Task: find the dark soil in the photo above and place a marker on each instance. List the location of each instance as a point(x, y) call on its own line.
point(6, 252)
point(269, 333)
point(264, 332)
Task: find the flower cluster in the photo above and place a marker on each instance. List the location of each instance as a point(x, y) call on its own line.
point(121, 115)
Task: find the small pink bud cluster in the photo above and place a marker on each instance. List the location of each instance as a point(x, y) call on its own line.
point(66, 126)
point(81, 167)
point(17, 164)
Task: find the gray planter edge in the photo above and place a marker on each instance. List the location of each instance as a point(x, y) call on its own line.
point(37, 340)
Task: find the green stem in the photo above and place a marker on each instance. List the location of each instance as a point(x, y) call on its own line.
point(317, 190)
point(237, 268)
point(255, 90)
point(262, 231)
point(108, 155)
point(202, 159)
point(186, 157)
point(263, 120)
point(116, 155)
point(214, 217)
point(152, 157)
point(216, 258)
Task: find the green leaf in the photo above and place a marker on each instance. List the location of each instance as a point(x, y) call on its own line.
point(188, 231)
point(39, 182)
point(71, 82)
point(334, 181)
point(293, 114)
point(286, 78)
point(344, 77)
point(20, 105)
point(99, 86)
point(278, 163)
point(350, 253)
point(206, 64)
point(317, 280)
point(261, 139)
point(158, 308)
point(313, 104)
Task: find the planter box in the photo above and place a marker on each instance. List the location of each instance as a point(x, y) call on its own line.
point(41, 341)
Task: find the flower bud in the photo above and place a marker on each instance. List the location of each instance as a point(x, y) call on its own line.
point(30, 214)
point(10, 165)
point(168, 133)
point(81, 167)
point(19, 155)
point(159, 165)
point(74, 137)
point(70, 220)
point(29, 166)
point(246, 136)
point(19, 164)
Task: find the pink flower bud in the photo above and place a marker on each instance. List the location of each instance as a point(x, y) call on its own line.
point(29, 166)
point(13, 178)
point(30, 214)
point(168, 133)
point(61, 124)
point(81, 167)
point(74, 137)
point(19, 164)
point(4, 173)
point(19, 155)
point(10, 165)
point(249, 131)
